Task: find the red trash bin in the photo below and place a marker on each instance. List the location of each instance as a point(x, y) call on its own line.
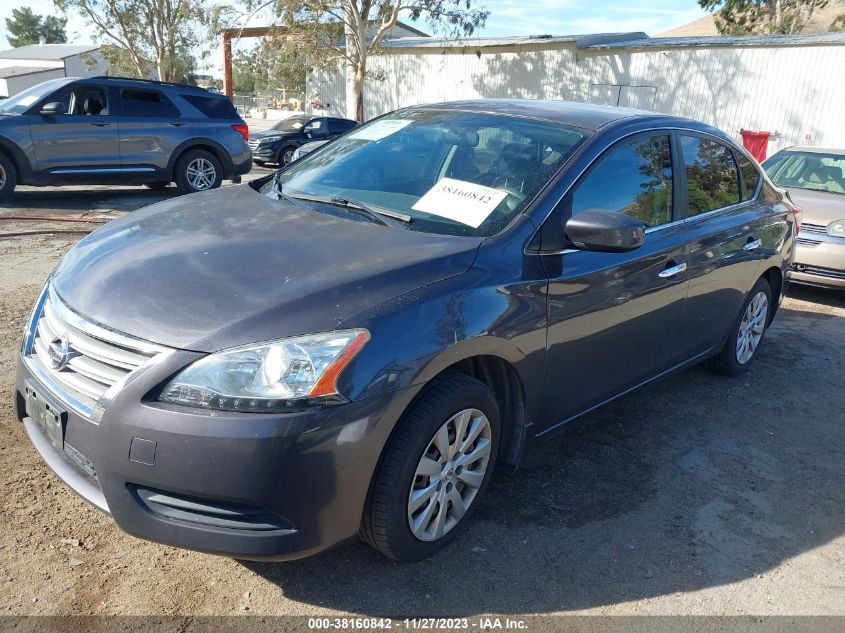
point(756, 143)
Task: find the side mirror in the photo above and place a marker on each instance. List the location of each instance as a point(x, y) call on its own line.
point(604, 231)
point(52, 109)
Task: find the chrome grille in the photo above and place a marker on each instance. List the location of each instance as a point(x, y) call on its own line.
point(98, 358)
point(806, 241)
point(253, 143)
point(813, 228)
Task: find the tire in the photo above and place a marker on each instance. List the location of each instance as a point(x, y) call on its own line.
point(452, 402)
point(158, 185)
point(200, 161)
point(285, 156)
point(745, 336)
point(8, 177)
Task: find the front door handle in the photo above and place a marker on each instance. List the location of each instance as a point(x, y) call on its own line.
point(177, 124)
point(100, 123)
point(753, 245)
point(666, 273)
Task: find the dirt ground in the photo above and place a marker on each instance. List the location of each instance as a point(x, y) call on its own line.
point(701, 495)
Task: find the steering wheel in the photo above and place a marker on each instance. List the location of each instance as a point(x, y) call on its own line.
point(515, 196)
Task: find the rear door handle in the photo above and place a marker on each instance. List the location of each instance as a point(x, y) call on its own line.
point(753, 245)
point(666, 273)
point(177, 124)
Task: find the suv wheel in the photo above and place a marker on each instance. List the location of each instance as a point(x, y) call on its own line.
point(8, 177)
point(198, 170)
point(286, 155)
point(434, 468)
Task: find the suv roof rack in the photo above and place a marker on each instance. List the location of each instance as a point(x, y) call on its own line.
point(148, 81)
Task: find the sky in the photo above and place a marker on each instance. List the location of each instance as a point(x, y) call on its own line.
point(507, 17)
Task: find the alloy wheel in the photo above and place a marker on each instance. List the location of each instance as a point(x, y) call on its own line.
point(2, 177)
point(201, 174)
point(752, 327)
point(287, 157)
point(449, 474)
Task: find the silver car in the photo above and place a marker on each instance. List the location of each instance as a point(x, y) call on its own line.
point(815, 179)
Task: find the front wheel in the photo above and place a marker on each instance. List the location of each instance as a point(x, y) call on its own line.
point(433, 470)
point(198, 170)
point(8, 177)
point(285, 157)
point(747, 332)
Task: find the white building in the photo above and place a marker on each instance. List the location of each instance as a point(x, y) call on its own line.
point(26, 66)
point(793, 86)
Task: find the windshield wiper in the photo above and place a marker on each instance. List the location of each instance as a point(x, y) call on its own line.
point(358, 206)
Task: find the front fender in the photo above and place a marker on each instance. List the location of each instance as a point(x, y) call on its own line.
point(416, 336)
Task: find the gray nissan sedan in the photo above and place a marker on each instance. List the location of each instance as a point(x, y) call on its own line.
point(267, 370)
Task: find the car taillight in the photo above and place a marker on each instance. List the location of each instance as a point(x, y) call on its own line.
point(243, 129)
point(798, 212)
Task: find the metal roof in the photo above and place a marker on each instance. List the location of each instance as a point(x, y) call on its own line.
point(18, 71)
point(602, 41)
point(719, 41)
point(47, 52)
point(580, 41)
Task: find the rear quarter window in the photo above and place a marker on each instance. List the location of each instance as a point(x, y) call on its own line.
point(213, 107)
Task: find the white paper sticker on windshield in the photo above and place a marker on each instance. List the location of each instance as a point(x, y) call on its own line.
point(461, 201)
point(380, 129)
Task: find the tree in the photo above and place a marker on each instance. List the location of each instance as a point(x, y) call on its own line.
point(777, 17)
point(351, 31)
point(26, 27)
point(146, 35)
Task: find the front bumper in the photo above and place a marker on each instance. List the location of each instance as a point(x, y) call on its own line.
point(266, 153)
point(819, 261)
point(308, 472)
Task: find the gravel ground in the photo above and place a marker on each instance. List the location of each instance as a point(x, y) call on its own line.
point(700, 495)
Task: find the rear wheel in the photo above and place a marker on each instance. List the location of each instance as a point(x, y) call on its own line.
point(198, 170)
point(436, 465)
point(747, 333)
point(8, 177)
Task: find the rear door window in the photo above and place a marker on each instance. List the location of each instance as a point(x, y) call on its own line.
point(712, 176)
point(634, 178)
point(213, 107)
point(146, 103)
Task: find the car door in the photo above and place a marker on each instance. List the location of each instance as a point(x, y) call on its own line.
point(613, 318)
point(81, 143)
point(151, 127)
point(725, 228)
point(316, 130)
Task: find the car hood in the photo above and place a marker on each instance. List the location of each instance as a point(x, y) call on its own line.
point(268, 133)
point(820, 207)
point(231, 266)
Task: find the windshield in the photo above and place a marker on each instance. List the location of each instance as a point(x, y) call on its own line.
point(23, 100)
point(292, 124)
point(450, 172)
point(808, 170)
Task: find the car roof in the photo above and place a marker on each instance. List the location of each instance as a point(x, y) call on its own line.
point(584, 115)
point(807, 149)
point(146, 83)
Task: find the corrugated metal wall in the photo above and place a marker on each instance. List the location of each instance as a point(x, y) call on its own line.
point(797, 91)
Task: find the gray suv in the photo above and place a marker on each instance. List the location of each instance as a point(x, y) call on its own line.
point(106, 130)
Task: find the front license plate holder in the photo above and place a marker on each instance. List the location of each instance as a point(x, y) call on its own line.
point(49, 416)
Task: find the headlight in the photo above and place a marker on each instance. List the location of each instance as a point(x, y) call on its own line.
point(269, 139)
point(267, 377)
point(836, 228)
